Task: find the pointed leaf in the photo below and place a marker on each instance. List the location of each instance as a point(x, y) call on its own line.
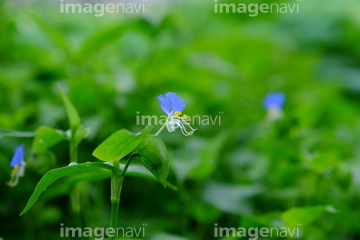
point(138, 170)
point(119, 144)
point(100, 39)
point(302, 216)
point(154, 156)
point(79, 133)
point(53, 33)
point(71, 111)
point(58, 173)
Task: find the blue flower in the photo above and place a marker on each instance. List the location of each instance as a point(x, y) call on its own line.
point(172, 105)
point(274, 100)
point(18, 165)
point(18, 157)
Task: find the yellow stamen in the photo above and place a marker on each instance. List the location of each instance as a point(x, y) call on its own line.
point(176, 114)
point(13, 172)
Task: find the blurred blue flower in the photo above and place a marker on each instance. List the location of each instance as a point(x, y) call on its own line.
point(172, 105)
point(274, 100)
point(18, 157)
point(18, 165)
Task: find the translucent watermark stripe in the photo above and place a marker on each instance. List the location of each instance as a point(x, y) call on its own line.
point(101, 232)
point(254, 9)
point(254, 233)
point(100, 9)
point(194, 120)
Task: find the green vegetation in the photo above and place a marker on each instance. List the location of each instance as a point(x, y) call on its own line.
point(244, 171)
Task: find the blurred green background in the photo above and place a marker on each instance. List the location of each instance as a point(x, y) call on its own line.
point(242, 173)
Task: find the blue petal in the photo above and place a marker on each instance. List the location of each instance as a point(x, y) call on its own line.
point(177, 102)
point(18, 156)
point(274, 100)
point(171, 102)
point(165, 104)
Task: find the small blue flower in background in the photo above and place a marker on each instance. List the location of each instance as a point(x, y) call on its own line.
point(18, 157)
point(273, 103)
point(172, 105)
point(274, 100)
point(18, 165)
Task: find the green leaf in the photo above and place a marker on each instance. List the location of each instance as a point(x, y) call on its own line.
point(343, 176)
point(138, 170)
point(231, 198)
point(53, 33)
point(9, 133)
point(74, 119)
point(210, 154)
point(101, 39)
point(78, 133)
point(135, 170)
point(88, 177)
point(120, 144)
point(296, 217)
point(58, 173)
point(154, 156)
point(46, 138)
point(108, 35)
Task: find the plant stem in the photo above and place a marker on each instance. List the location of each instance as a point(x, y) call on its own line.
point(75, 193)
point(117, 180)
point(73, 152)
point(75, 205)
point(160, 130)
point(116, 185)
point(126, 167)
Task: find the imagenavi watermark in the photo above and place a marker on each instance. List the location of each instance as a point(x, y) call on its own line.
point(254, 9)
point(195, 120)
point(99, 9)
point(254, 233)
point(100, 233)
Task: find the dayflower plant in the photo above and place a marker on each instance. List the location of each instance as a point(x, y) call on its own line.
point(116, 152)
point(273, 103)
point(173, 105)
point(18, 165)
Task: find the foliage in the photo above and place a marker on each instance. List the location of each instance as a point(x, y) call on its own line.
point(243, 171)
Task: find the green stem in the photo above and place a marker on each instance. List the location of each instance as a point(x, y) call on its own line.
point(116, 186)
point(75, 205)
point(126, 167)
point(73, 152)
point(75, 193)
point(160, 130)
